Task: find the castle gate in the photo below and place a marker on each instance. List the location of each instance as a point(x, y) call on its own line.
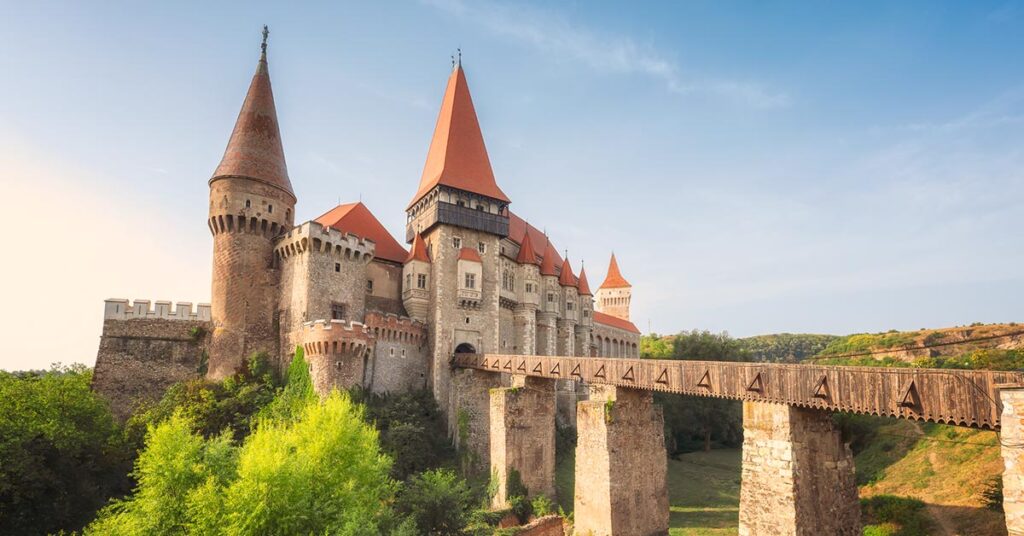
point(797, 474)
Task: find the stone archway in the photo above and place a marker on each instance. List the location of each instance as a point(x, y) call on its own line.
point(465, 348)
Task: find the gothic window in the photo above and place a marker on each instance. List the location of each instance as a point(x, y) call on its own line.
point(470, 281)
point(457, 242)
point(421, 280)
point(369, 285)
point(337, 311)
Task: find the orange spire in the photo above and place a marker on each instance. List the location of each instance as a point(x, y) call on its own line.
point(419, 250)
point(526, 254)
point(547, 266)
point(566, 278)
point(583, 284)
point(254, 150)
point(457, 156)
point(614, 278)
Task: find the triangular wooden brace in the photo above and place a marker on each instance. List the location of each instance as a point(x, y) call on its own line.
point(628, 376)
point(757, 384)
point(484, 363)
point(705, 380)
point(663, 378)
point(909, 398)
point(508, 365)
point(822, 390)
point(522, 366)
point(496, 364)
point(557, 369)
point(576, 371)
point(600, 373)
point(537, 369)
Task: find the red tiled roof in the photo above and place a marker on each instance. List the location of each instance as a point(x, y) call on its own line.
point(547, 265)
point(526, 253)
point(517, 231)
point(614, 278)
point(615, 322)
point(355, 218)
point(419, 250)
point(469, 254)
point(584, 286)
point(567, 278)
point(457, 155)
point(254, 150)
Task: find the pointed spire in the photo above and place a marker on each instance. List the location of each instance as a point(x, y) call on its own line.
point(547, 266)
point(419, 250)
point(457, 155)
point(526, 253)
point(614, 278)
point(567, 278)
point(583, 284)
point(254, 150)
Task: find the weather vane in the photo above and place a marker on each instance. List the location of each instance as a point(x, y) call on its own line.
point(266, 32)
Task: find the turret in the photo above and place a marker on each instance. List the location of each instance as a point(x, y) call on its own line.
point(550, 290)
point(615, 293)
point(567, 280)
point(529, 291)
point(251, 203)
point(416, 280)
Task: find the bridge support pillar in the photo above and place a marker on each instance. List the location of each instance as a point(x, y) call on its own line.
point(798, 475)
point(523, 437)
point(1011, 437)
point(470, 401)
point(621, 464)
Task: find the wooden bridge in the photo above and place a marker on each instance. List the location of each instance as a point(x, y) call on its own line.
point(797, 474)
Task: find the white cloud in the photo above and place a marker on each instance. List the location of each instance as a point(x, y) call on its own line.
point(551, 33)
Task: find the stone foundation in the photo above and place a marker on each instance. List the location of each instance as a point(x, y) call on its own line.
point(621, 464)
point(522, 431)
point(470, 404)
point(1012, 436)
point(798, 475)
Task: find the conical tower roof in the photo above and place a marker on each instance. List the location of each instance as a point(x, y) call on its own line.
point(254, 150)
point(457, 156)
point(526, 253)
point(547, 265)
point(614, 278)
point(584, 285)
point(419, 250)
point(567, 278)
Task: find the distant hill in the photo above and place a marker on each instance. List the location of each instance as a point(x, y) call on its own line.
point(786, 347)
point(975, 346)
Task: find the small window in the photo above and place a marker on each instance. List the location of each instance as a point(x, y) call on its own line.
point(337, 267)
point(482, 248)
point(586, 313)
point(421, 280)
point(392, 351)
point(403, 353)
point(270, 209)
point(551, 297)
point(529, 287)
point(337, 311)
point(248, 203)
point(460, 203)
point(337, 365)
point(369, 285)
point(480, 208)
point(457, 242)
point(288, 214)
point(470, 281)
point(568, 306)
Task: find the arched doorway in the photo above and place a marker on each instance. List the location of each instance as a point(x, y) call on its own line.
point(465, 348)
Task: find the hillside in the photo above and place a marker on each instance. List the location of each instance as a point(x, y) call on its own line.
point(924, 344)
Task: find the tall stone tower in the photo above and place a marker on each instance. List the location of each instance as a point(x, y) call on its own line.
point(251, 202)
point(462, 215)
point(615, 293)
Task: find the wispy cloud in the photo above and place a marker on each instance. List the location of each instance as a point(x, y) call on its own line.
point(548, 31)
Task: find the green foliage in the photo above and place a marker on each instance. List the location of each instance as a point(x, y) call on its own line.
point(516, 494)
point(862, 342)
point(412, 430)
point(298, 392)
point(889, 515)
point(785, 347)
point(992, 494)
point(437, 501)
point(196, 333)
point(543, 506)
point(61, 454)
point(211, 407)
point(609, 405)
point(320, 471)
point(978, 359)
point(655, 346)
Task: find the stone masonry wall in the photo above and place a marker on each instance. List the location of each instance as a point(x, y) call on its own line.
point(470, 402)
point(798, 475)
point(1011, 438)
point(621, 469)
point(139, 359)
point(522, 431)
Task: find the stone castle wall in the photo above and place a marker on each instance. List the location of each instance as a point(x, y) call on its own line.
point(400, 361)
point(144, 351)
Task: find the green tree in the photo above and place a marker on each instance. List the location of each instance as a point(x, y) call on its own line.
point(438, 501)
point(61, 453)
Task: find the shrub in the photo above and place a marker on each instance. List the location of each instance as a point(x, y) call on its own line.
point(888, 515)
point(438, 501)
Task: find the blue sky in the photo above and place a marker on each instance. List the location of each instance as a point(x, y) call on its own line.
point(757, 167)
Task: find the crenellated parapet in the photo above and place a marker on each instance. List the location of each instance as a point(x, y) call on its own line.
point(314, 237)
point(390, 327)
point(122, 309)
point(334, 337)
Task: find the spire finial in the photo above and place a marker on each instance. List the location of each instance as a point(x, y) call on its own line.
point(266, 33)
point(460, 55)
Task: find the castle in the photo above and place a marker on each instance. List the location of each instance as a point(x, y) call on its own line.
point(367, 311)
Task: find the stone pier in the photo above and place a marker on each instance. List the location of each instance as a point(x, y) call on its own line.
point(798, 475)
point(621, 464)
point(469, 423)
point(1011, 438)
point(522, 434)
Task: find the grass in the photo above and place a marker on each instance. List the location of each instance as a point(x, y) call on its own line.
point(704, 493)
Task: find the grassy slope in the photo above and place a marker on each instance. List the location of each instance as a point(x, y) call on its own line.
point(895, 340)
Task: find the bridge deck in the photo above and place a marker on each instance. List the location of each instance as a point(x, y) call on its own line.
point(958, 397)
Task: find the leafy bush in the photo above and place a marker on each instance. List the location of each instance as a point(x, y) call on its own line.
point(888, 515)
point(438, 501)
point(543, 506)
point(61, 453)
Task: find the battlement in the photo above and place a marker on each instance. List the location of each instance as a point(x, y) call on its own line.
point(121, 309)
point(323, 337)
point(390, 326)
point(312, 236)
